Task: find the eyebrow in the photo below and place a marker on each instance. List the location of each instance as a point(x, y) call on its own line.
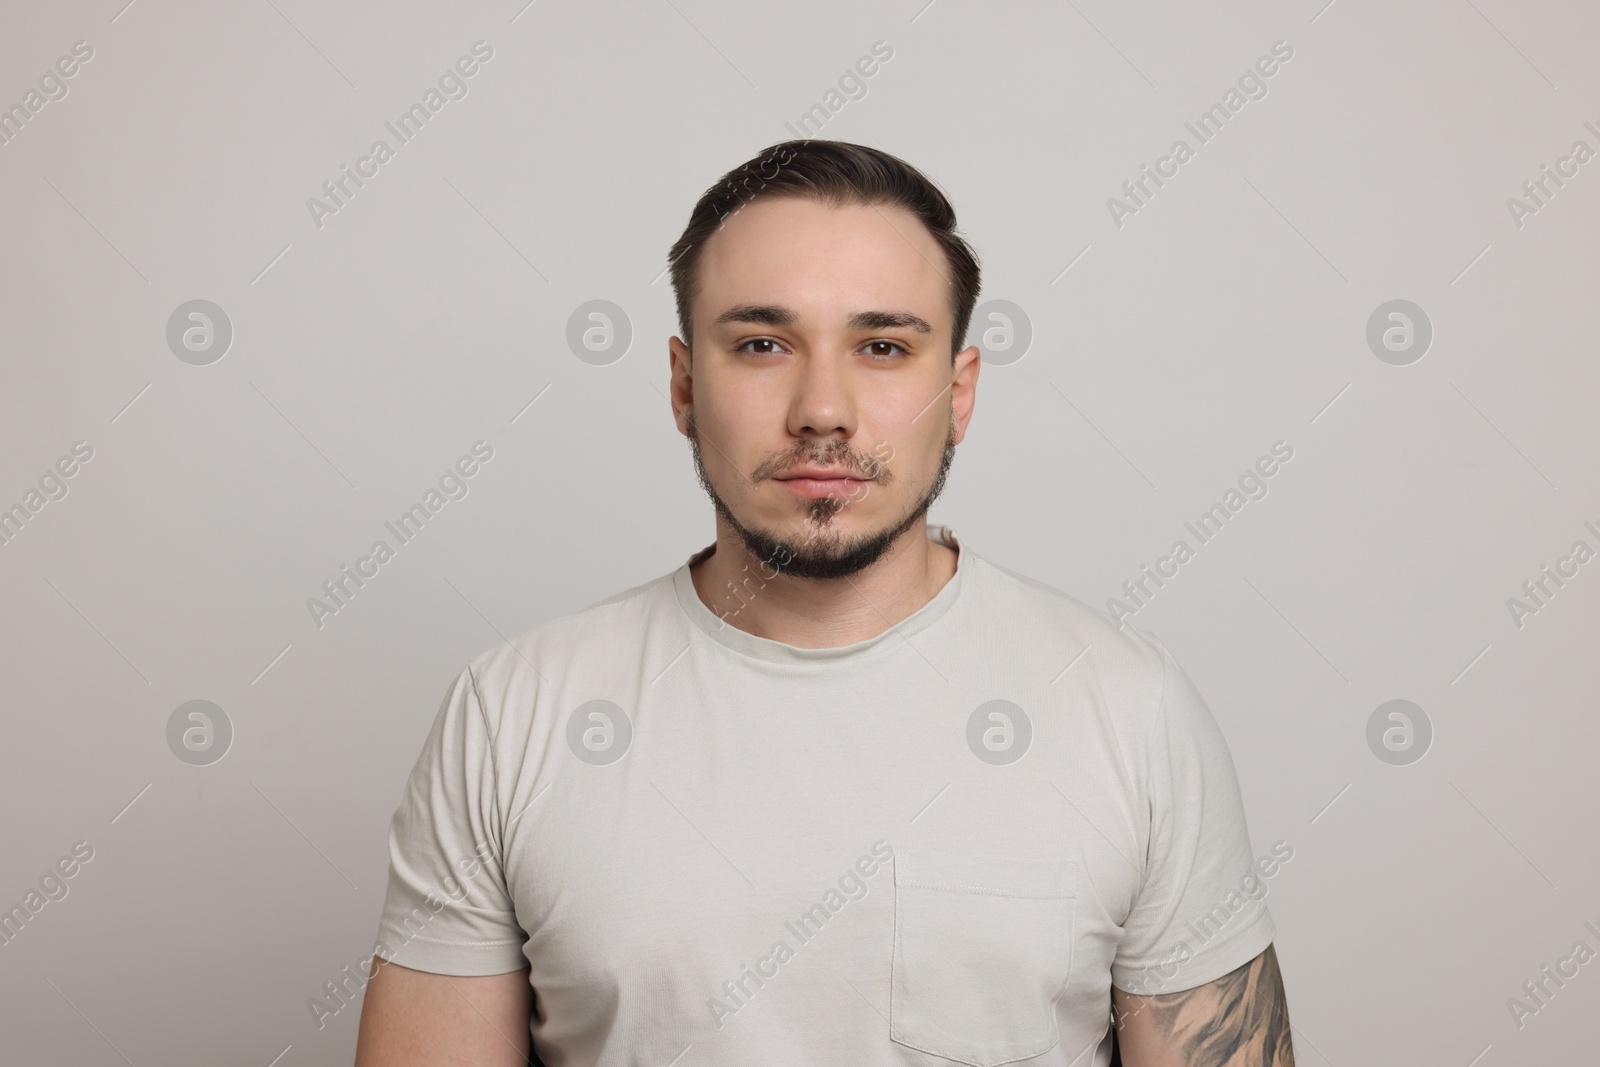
point(777, 315)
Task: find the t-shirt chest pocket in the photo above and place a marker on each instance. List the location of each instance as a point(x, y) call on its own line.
point(982, 950)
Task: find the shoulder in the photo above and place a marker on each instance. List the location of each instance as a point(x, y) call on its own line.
point(1121, 652)
point(1101, 665)
point(510, 673)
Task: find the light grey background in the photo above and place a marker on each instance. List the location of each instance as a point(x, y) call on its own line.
point(368, 354)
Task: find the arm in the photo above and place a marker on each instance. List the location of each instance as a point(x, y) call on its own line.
point(419, 1019)
point(1241, 1018)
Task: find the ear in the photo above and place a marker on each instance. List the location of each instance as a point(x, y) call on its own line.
point(681, 384)
point(964, 387)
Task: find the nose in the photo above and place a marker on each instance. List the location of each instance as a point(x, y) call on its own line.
point(823, 402)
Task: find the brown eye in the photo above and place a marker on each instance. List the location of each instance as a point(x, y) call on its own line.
point(900, 350)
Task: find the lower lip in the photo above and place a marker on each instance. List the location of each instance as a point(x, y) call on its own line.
point(815, 487)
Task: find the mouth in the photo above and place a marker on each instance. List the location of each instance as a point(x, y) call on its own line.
point(818, 482)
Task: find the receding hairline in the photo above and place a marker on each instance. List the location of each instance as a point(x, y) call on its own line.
point(834, 175)
point(765, 314)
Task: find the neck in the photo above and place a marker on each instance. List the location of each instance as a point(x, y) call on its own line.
point(810, 613)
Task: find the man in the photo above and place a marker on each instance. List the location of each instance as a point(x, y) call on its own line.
point(834, 791)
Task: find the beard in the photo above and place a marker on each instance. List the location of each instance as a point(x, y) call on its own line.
point(816, 549)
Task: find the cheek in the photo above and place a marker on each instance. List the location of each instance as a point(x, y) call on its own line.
point(735, 435)
point(907, 435)
point(741, 424)
point(931, 431)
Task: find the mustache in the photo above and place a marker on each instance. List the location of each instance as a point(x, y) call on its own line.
point(866, 466)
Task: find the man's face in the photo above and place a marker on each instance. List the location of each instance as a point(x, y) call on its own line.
point(822, 340)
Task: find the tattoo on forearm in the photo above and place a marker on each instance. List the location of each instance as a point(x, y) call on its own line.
point(1240, 1019)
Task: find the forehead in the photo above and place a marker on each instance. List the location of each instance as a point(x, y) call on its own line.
point(824, 260)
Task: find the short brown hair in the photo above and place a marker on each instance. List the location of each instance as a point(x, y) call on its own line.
point(836, 173)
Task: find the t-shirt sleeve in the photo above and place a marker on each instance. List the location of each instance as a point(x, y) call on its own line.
point(448, 908)
point(1201, 910)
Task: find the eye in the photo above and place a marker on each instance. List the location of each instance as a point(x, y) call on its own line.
point(885, 356)
point(758, 341)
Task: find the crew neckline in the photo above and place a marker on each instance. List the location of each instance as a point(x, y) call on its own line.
point(765, 648)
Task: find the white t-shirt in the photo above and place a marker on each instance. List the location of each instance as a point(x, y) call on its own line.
point(943, 843)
